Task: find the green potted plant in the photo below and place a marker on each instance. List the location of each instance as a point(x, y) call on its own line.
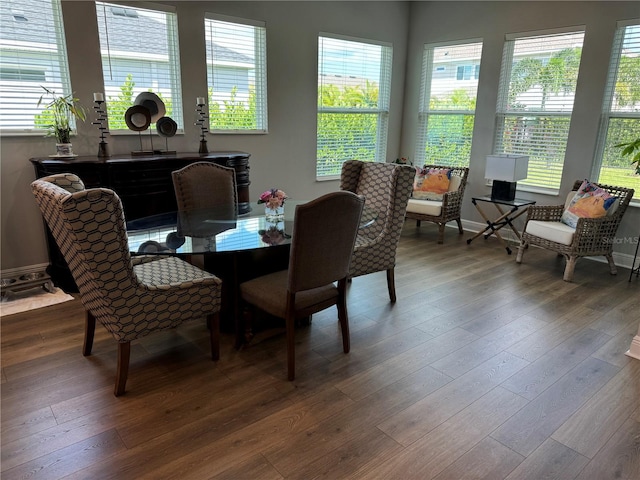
point(632, 149)
point(61, 111)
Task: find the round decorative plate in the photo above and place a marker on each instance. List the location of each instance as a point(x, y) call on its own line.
point(166, 127)
point(153, 103)
point(137, 118)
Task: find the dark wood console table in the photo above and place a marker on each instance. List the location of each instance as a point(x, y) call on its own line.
point(143, 183)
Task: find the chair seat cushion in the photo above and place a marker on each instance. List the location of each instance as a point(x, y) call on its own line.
point(171, 272)
point(553, 231)
point(270, 293)
point(425, 207)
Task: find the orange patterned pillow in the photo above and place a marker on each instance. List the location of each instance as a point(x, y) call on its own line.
point(431, 184)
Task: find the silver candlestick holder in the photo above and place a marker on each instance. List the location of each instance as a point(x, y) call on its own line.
point(202, 122)
point(101, 112)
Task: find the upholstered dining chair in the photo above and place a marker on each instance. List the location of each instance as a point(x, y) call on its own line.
point(324, 233)
point(445, 210)
point(386, 188)
point(591, 236)
point(130, 297)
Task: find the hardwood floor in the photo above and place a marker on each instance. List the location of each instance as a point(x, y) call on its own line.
point(483, 369)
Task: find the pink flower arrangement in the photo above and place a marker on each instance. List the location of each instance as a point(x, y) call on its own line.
point(273, 198)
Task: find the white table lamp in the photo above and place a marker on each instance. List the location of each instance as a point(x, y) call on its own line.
point(505, 170)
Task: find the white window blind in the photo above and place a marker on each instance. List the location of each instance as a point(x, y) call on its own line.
point(447, 103)
point(535, 101)
point(620, 121)
point(33, 54)
point(354, 85)
point(236, 74)
point(139, 49)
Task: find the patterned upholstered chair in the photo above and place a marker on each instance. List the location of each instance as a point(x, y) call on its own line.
point(308, 286)
point(131, 298)
point(591, 237)
point(386, 188)
point(204, 185)
point(445, 210)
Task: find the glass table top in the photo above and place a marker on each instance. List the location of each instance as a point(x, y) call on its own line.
point(214, 230)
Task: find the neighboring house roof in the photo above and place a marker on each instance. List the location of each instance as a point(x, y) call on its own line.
point(15, 25)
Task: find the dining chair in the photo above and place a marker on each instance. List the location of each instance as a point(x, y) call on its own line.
point(324, 233)
point(130, 297)
point(386, 188)
point(439, 208)
point(548, 226)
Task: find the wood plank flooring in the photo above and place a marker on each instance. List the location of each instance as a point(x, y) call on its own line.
point(483, 369)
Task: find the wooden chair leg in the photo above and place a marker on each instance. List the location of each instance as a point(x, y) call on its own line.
point(391, 285)
point(612, 265)
point(441, 233)
point(343, 317)
point(213, 321)
point(124, 353)
point(569, 268)
point(460, 230)
point(89, 331)
point(417, 223)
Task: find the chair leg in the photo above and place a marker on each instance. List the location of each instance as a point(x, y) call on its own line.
point(391, 285)
point(440, 233)
point(291, 337)
point(460, 230)
point(89, 331)
point(612, 266)
point(343, 317)
point(124, 353)
point(213, 322)
point(521, 249)
point(417, 223)
point(569, 268)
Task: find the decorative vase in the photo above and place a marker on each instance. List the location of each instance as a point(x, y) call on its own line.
point(64, 149)
point(274, 214)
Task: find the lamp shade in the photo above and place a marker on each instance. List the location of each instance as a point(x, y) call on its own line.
point(507, 167)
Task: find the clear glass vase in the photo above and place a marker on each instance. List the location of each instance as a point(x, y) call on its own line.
point(274, 214)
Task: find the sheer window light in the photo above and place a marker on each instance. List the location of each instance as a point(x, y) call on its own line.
point(33, 55)
point(448, 103)
point(236, 74)
point(354, 85)
point(535, 101)
point(620, 121)
point(139, 49)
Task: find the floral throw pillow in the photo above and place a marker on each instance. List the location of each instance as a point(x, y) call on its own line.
point(590, 201)
point(432, 183)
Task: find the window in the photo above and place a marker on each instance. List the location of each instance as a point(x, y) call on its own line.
point(535, 101)
point(353, 103)
point(139, 49)
point(620, 121)
point(33, 54)
point(236, 74)
point(447, 103)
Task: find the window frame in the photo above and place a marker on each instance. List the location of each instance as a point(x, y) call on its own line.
point(424, 109)
point(608, 113)
point(383, 104)
point(260, 80)
point(173, 62)
point(62, 81)
point(503, 113)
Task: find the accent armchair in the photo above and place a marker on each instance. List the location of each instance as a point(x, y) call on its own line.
point(445, 210)
point(130, 297)
point(591, 237)
point(386, 188)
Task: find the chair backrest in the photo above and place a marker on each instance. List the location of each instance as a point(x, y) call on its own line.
point(205, 185)
point(624, 194)
point(324, 233)
point(89, 228)
point(386, 188)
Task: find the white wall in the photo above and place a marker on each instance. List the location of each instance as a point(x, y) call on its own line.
point(285, 157)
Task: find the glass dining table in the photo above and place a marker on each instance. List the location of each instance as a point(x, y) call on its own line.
point(236, 248)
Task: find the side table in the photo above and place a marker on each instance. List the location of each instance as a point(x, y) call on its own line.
point(515, 208)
